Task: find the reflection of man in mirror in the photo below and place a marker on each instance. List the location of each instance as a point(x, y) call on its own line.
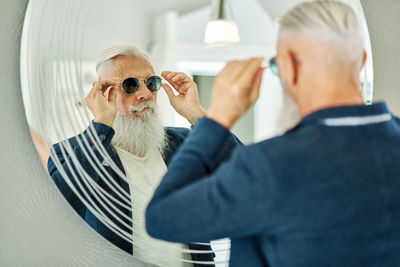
point(127, 123)
point(326, 193)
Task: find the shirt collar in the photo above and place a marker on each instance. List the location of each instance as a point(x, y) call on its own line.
point(349, 115)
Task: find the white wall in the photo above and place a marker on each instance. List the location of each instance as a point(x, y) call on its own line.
point(384, 26)
point(115, 22)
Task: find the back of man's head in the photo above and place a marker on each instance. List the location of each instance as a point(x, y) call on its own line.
point(330, 17)
point(330, 21)
point(321, 53)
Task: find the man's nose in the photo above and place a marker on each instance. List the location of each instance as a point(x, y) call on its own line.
point(143, 93)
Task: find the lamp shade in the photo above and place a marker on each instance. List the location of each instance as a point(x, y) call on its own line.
point(220, 32)
point(221, 29)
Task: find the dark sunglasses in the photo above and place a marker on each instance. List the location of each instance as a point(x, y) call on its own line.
point(131, 85)
point(273, 66)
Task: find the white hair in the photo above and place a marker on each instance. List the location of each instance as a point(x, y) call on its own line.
point(107, 56)
point(325, 18)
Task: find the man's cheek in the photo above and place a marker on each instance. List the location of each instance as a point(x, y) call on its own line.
point(121, 108)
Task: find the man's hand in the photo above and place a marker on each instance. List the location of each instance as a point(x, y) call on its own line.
point(236, 88)
point(187, 102)
point(101, 101)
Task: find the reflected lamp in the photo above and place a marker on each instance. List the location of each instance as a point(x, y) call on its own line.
point(221, 28)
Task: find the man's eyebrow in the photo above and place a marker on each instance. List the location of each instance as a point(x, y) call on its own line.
point(146, 75)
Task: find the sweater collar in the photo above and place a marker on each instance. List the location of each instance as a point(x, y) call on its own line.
point(349, 115)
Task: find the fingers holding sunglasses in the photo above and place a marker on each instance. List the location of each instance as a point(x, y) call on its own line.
point(251, 69)
point(171, 78)
point(175, 100)
point(235, 89)
point(101, 101)
point(184, 88)
point(103, 85)
point(180, 78)
point(180, 81)
point(167, 75)
point(168, 90)
point(187, 102)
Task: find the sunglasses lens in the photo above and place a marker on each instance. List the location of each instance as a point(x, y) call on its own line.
point(272, 65)
point(130, 85)
point(153, 83)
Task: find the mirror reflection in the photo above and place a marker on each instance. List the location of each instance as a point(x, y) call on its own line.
point(110, 97)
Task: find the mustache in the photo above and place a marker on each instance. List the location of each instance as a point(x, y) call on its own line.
point(141, 106)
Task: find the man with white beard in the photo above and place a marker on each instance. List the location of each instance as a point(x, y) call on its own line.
point(126, 122)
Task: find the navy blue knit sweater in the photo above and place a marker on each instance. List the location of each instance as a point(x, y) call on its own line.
point(327, 193)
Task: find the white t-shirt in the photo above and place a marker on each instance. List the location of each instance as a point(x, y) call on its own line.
point(145, 174)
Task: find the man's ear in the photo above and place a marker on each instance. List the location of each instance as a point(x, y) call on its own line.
point(291, 68)
point(295, 66)
point(106, 93)
point(364, 58)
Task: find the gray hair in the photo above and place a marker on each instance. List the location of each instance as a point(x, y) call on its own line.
point(332, 18)
point(107, 56)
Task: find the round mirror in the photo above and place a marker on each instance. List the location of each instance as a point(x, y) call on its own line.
point(61, 43)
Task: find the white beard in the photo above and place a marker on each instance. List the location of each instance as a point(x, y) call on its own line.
point(139, 136)
point(289, 115)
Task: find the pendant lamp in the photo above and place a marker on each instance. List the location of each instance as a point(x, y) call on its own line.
point(221, 29)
